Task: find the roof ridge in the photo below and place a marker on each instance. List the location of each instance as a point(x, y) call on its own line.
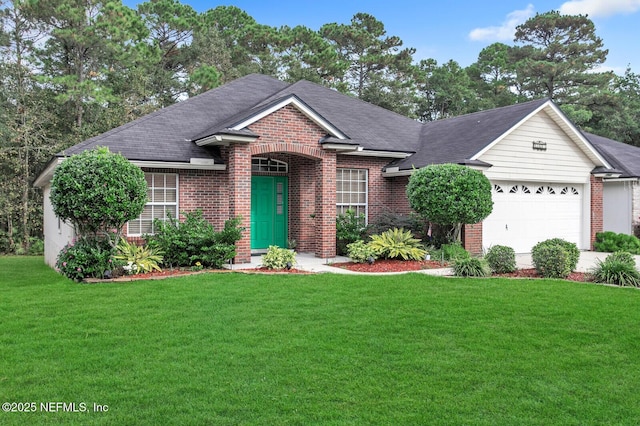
point(471, 114)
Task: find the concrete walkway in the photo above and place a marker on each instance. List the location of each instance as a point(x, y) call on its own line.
point(308, 262)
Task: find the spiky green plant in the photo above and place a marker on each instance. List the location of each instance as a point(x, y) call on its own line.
point(471, 267)
point(138, 259)
point(397, 244)
point(618, 268)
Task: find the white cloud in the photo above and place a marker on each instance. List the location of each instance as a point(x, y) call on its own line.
point(507, 30)
point(599, 8)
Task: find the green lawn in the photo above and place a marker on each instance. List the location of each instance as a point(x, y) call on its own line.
point(317, 349)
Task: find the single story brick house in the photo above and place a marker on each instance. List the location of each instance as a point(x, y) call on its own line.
point(289, 158)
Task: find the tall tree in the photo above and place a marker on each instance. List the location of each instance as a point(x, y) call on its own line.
point(371, 54)
point(88, 39)
point(493, 76)
point(445, 91)
point(25, 141)
point(250, 44)
point(557, 53)
point(303, 54)
point(171, 25)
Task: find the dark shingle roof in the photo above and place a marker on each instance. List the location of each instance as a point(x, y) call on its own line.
point(166, 134)
point(621, 156)
point(457, 139)
point(169, 134)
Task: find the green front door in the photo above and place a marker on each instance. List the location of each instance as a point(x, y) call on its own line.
point(268, 211)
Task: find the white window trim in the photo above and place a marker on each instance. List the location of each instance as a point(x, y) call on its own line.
point(366, 193)
point(151, 203)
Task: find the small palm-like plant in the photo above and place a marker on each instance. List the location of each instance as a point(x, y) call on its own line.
point(471, 267)
point(618, 268)
point(397, 244)
point(139, 259)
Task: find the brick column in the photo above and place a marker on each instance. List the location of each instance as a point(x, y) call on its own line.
point(472, 238)
point(239, 168)
point(597, 220)
point(326, 206)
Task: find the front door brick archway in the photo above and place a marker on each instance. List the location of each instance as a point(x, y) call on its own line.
point(312, 194)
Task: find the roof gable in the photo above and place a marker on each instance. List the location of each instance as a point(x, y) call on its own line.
point(563, 122)
point(463, 139)
point(296, 102)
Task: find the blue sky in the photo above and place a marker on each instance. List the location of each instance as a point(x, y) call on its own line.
point(454, 29)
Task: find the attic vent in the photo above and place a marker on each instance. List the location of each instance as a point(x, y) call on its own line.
point(539, 146)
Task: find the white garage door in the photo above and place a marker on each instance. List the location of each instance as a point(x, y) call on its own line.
point(527, 213)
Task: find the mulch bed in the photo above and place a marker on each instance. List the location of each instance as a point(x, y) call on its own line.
point(532, 273)
point(389, 265)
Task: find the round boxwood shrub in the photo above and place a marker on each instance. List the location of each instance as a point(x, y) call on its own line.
point(555, 258)
point(450, 193)
point(98, 192)
point(501, 259)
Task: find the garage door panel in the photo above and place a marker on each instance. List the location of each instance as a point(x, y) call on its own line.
point(527, 213)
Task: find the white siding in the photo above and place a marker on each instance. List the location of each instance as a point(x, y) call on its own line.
point(57, 234)
point(513, 158)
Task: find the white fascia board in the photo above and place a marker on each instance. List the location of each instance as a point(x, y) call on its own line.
point(575, 135)
point(393, 172)
point(177, 165)
point(225, 140)
point(340, 147)
point(384, 154)
point(47, 174)
point(586, 145)
point(618, 179)
point(292, 100)
point(195, 164)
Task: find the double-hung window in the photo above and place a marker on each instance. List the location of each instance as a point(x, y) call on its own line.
point(162, 203)
point(352, 194)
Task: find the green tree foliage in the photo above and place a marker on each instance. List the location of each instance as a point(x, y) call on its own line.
point(98, 192)
point(445, 91)
point(25, 121)
point(556, 53)
point(249, 44)
point(450, 193)
point(170, 24)
point(371, 56)
point(493, 77)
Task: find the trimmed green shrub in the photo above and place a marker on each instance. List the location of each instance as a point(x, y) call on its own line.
point(360, 252)
point(279, 258)
point(501, 259)
point(89, 257)
point(618, 268)
point(349, 229)
point(388, 220)
point(98, 192)
point(471, 267)
point(454, 251)
point(555, 258)
point(450, 193)
point(611, 242)
point(195, 240)
point(397, 244)
point(138, 259)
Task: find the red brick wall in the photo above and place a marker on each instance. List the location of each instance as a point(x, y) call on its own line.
point(597, 221)
point(288, 135)
point(472, 238)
